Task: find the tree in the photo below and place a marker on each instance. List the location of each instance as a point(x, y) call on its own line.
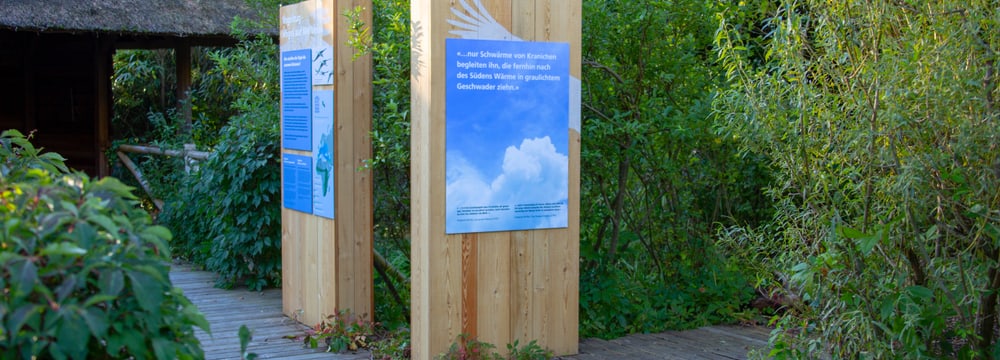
point(656, 180)
point(880, 122)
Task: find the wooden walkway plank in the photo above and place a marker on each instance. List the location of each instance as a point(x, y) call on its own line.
point(227, 310)
point(721, 342)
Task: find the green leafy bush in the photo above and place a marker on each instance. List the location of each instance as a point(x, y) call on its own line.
point(656, 179)
point(226, 215)
point(881, 124)
point(84, 272)
point(469, 348)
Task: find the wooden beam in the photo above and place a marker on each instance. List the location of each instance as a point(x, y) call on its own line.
point(139, 149)
point(142, 180)
point(182, 55)
point(102, 113)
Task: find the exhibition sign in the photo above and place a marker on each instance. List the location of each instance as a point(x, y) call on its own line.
point(507, 143)
point(326, 215)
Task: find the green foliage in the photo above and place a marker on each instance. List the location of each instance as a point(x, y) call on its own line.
point(245, 336)
point(142, 84)
point(392, 345)
point(880, 122)
point(145, 98)
point(341, 332)
point(530, 351)
point(629, 299)
point(344, 331)
point(226, 215)
point(393, 313)
point(84, 271)
point(390, 51)
point(656, 180)
point(469, 348)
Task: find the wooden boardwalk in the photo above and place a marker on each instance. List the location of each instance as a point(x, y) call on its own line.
point(226, 310)
point(712, 342)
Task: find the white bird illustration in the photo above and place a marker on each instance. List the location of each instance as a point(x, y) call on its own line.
point(477, 23)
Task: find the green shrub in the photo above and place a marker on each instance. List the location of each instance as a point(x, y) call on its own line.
point(84, 272)
point(227, 214)
point(880, 123)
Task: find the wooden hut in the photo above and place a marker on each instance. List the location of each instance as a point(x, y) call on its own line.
point(56, 62)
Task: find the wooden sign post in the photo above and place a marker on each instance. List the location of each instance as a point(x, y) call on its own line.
point(495, 172)
point(326, 217)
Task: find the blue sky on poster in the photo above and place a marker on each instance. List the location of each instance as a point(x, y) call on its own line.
point(508, 147)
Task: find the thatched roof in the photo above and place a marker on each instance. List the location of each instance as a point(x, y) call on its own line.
point(161, 17)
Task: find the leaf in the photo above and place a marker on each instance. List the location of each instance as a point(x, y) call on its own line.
point(99, 298)
point(113, 186)
point(866, 244)
point(17, 319)
point(96, 320)
point(196, 317)
point(111, 282)
point(851, 233)
point(63, 249)
point(27, 276)
point(158, 231)
point(104, 222)
point(148, 292)
point(67, 287)
point(919, 292)
point(72, 334)
point(163, 348)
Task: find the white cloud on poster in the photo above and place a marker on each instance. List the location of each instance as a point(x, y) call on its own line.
point(465, 182)
point(533, 172)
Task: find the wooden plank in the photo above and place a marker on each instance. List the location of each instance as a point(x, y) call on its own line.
point(711, 342)
point(353, 124)
point(362, 238)
point(494, 287)
point(562, 23)
point(432, 320)
point(470, 267)
point(261, 312)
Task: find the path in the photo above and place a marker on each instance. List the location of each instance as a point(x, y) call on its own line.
point(226, 310)
point(713, 342)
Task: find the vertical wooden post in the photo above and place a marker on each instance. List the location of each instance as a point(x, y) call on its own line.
point(327, 263)
point(102, 113)
point(497, 286)
point(182, 57)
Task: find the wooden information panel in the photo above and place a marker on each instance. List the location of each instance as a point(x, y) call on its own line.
point(495, 173)
point(326, 217)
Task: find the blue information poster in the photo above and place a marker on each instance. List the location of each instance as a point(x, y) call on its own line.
point(297, 182)
point(323, 160)
point(507, 135)
point(296, 91)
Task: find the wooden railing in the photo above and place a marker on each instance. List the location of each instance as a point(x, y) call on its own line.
point(190, 155)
